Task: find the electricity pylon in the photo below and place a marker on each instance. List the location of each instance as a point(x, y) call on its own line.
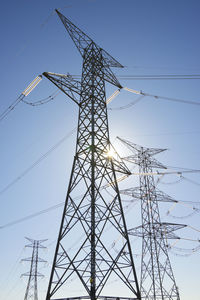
point(103, 253)
point(33, 274)
point(157, 279)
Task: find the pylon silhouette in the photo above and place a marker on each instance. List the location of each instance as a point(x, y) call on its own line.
point(103, 252)
point(33, 274)
point(157, 279)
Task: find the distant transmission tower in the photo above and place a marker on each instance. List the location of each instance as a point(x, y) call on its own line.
point(33, 274)
point(157, 279)
point(102, 260)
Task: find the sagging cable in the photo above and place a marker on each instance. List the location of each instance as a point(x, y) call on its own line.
point(194, 229)
point(195, 210)
point(27, 91)
point(161, 97)
point(165, 173)
point(128, 105)
point(43, 101)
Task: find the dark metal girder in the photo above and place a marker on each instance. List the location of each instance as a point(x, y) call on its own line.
point(161, 230)
point(135, 192)
point(33, 274)
point(100, 297)
point(157, 279)
point(153, 163)
point(82, 41)
point(92, 214)
point(66, 84)
point(135, 148)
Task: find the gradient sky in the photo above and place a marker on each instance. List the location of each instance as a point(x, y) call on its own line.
point(148, 37)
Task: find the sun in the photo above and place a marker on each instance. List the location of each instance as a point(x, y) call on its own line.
point(110, 153)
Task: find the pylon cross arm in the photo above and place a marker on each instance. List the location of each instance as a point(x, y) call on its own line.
point(66, 84)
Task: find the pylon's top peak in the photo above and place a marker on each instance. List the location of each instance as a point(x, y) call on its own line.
point(82, 41)
point(137, 148)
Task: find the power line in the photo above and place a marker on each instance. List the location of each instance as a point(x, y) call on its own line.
point(155, 77)
point(142, 94)
point(128, 105)
point(187, 204)
point(172, 182)
point(159, 77)
point(39, 102)
point(39, 160)
point(191, 181)
point(54, 94)
point(25, 93)
point(10, 107)
point(184, 170)
point(161, 97)
point(168, 133)
point(166, 172)
point(180, 168)
point(32, 215)
point(12, 270)
point(44, 100)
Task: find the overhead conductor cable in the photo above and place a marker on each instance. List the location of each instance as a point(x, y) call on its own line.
point(25, 93)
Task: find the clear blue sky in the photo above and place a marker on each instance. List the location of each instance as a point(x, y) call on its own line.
point(148, 37)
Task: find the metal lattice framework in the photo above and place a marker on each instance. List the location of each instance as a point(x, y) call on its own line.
point(102, 257)
point(157, 279)
point(31, 290)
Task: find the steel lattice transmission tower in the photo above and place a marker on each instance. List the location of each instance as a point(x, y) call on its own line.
point(33, 274)
point(157, 279)
point(103, 252)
